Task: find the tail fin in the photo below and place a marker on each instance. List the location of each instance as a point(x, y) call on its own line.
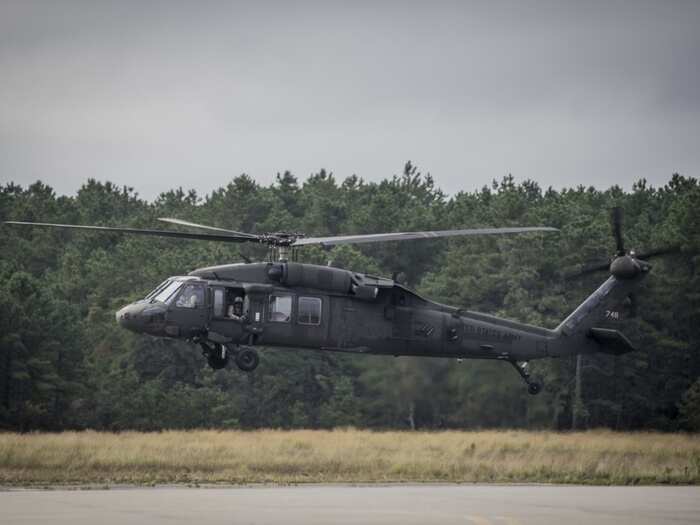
point(581, 332)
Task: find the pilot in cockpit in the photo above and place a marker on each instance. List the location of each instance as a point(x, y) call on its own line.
point(235, 310)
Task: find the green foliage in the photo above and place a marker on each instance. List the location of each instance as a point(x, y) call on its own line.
point(689, 408)
point(342, 408)
point(41, 362)
point(64, 363)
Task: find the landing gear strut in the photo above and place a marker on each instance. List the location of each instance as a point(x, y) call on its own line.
point(218, 356)
point(534, 387)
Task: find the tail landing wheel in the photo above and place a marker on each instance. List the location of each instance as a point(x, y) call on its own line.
point(534, 387)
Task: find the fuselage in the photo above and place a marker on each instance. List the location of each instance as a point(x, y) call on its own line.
point(294, 305)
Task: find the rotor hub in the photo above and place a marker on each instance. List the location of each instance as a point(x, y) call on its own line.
point(628, 267)
point(280, 238)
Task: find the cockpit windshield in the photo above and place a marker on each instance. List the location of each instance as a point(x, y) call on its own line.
point(157, 289)
point(164, 293)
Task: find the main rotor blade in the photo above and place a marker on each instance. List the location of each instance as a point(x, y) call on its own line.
point(136, 231)
point(204, 227)
point(404, 236)
point(617, 230)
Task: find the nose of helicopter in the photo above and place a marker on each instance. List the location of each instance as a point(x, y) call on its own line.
point(130, 317)
point(142, 317)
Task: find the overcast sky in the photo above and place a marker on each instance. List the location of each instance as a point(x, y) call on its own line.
point(157, 95)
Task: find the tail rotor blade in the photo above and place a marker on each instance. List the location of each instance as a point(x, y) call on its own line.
point(617, 229)
point(633, 304)
point(659, 251)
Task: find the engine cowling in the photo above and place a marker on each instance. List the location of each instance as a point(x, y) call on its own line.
point(311, 276)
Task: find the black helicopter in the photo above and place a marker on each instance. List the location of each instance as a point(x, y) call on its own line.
point(231, 309)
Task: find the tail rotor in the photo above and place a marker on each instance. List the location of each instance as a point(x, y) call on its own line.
point(624, 264)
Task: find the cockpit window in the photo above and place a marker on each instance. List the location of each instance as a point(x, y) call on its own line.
point(192, 296)
point(157, 289)
point(167, 292)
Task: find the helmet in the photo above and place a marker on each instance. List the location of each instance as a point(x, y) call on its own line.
point(238, 299)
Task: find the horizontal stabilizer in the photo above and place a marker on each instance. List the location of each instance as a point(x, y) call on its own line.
point(611, 341)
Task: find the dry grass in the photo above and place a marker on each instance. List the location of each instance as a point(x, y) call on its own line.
point(355, 456)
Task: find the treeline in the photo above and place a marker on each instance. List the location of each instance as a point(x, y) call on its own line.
point(64, 362)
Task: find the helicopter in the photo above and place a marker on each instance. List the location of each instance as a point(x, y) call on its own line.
point(232, 309)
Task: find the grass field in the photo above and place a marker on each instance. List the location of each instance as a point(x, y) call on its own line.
point(354, 456)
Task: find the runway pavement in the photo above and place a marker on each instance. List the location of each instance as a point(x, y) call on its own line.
point(330, 504)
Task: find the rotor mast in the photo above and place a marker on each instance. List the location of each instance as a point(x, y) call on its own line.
point(282, 253)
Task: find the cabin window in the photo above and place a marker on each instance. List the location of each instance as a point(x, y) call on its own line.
point(309, 310)
point(192, 296)
point(280, 308)
point(219, 302)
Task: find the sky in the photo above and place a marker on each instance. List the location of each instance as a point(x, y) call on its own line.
point(159, 95)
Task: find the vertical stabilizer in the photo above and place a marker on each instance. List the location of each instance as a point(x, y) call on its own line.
point(582, 331)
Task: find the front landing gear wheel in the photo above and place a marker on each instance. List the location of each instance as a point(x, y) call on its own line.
point(247, 359)
point(534, 388)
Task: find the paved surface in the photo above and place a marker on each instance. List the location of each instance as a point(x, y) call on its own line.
point(397, 504)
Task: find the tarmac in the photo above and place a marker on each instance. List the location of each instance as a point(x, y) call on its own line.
point(346, 504)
